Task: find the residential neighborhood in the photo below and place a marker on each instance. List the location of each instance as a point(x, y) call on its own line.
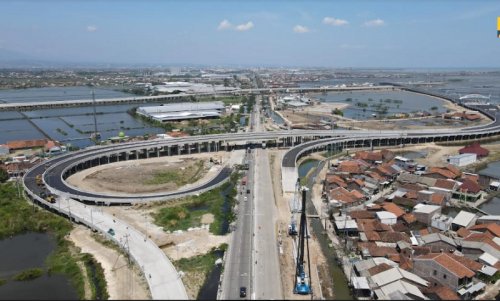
point(412, 232)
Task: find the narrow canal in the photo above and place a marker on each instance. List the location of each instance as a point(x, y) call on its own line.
point(341, 289)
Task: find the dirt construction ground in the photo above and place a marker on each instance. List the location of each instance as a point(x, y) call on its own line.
point(139, 176)
point(123, 281)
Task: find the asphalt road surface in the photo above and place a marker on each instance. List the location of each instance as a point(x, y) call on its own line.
point(238, 265)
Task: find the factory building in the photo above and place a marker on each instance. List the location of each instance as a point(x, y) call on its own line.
point(183, 111)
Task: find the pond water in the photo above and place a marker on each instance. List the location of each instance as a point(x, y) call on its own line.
point(58, 93)
point(68, 125)
point(492, 206)
point(492, 169)
point(362, 104)
point(414, 154)
point(26, 251)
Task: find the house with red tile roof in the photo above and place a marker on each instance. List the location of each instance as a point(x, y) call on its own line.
point(342, 196)
point(440, 292)
point(492, 228)
point(474, 148)
point(443, 268)
point(26, 144)
point(393, 208)
point(446, 184)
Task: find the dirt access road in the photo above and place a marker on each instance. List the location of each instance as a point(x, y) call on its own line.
point(123, 281)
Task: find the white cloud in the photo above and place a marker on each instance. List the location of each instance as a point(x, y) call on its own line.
point(334, 22)
point(224, 24)
point(245, 26)
point(91, 28)
point(375, 23)
point(300, 29)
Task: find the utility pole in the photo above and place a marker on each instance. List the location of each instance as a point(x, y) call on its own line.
point(96, 135)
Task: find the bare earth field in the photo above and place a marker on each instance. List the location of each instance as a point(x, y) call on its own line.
point(148, 175)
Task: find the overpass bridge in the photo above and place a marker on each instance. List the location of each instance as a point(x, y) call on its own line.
point(28, 106)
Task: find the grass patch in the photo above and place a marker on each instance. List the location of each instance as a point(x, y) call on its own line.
point(97, 280)
point(2, 282)
point(189, 212)
point(189, 175)
point(29, 274)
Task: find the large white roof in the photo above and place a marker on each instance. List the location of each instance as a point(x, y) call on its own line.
point(488, 258)
point(403, 287)
point(386, 215)
point(422, 208)
point(395, 274)
point(463, 218)
point(182, 106)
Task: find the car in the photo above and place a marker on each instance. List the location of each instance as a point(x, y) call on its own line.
point(248, 190)
point(246, 198)
point(243, 291)
point(111, 232)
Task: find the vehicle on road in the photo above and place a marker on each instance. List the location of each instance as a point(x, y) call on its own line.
point(244, 181)
point(38, 180)
point(50, 198)
point(245, 198)
point(248, 191)
point(243, 291)
point(111, 232)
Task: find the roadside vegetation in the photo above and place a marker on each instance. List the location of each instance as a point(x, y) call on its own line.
point(189, 210)
point(18, 216)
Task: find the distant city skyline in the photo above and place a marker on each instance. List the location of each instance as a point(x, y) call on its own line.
point(336, 34)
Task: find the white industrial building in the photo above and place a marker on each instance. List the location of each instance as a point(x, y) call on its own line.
point(463, 159)
point(183, 111)
point(187, 87)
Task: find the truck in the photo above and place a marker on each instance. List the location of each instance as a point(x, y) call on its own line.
point(38, 180)
point(244, 181)
point(50, 198)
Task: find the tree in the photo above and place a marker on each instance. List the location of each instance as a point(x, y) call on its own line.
point(4, 176)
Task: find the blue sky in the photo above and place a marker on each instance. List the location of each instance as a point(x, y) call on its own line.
point(371, 33)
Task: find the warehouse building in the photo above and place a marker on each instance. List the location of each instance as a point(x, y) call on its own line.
point(183, 111)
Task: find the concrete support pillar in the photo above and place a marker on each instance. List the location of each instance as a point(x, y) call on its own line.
point(189, 148)
point(168, 150)
point(178, 149)
point(158, 152)
point(199, 148)
point(147, 153)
